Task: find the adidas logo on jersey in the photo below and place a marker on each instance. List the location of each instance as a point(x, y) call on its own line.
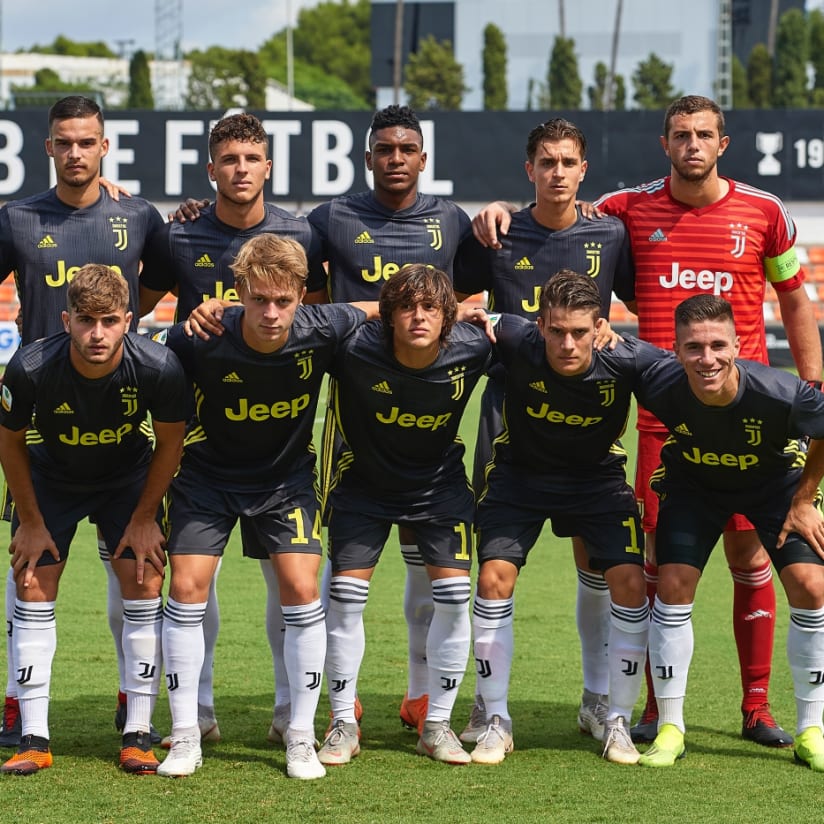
point(682, 429)
point(657, 236)
point(232, 377)
point(204, 262)
point(383, 387)
point(538, 386)
point(524, 263)
point(64, 409)
point(47, 243)
point(364, 237)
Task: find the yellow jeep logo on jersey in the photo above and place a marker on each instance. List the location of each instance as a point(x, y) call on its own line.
point(556, 416)
point(263, 411)
point(409, 419)
point(728, 459)
point(102, 438)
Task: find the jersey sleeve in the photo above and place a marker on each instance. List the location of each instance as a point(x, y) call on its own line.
point(623, 283)
point(807, 414)
point(319, 220)
point(781, 265)
point(175, 339)
point(158, 272)
point(17, 396)
point(171, 397)
point(472, 273)
point(8, 260)
point(315, 258)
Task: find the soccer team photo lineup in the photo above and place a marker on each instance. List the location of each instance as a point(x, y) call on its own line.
point(378, 314)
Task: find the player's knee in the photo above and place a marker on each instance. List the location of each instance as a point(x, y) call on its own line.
point(496, 580)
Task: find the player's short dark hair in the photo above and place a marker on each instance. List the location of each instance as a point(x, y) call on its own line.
point(244, 127)
point(569, 290)
point(418, 283)
point(75, 105)
point(395, 115)
point(276, 260)
point(703, 307)
point(556, 129)
point(97, 288)
point(692, 104)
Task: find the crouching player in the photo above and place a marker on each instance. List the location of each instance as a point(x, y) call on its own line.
point(734, 427)
point(558, 458)
point(248, 456)
point(401, 388)
point(90, 455)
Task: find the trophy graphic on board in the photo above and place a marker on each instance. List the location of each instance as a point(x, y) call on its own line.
point(769, 144)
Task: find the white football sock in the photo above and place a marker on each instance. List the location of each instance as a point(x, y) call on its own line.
point(492, 628)
point(671, 646)
point(447, 645)
point(114, 611)
point(275, 631)
point(345, 643)
point(183, 658)
point(593, 622)
point(418, 609)
point(805, 652)
point(304, 652)
point(35, 641)
point(211, 628)
point(629, 628)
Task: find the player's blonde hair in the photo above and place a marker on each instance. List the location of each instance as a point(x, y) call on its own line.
point(97, 288)
point(271, 259)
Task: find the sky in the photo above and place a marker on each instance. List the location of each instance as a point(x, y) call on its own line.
point(205, 22)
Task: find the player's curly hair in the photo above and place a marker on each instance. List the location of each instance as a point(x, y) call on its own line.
point(272, 259)
point(244, 127)
point(418, 283)
point(569, 290)
point(692, 104)
point(75, 106)
point(703, 307)
point(395, 115)
point(556, 129)
point(97, 288)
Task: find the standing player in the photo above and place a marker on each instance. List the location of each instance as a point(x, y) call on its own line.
point(558, 457)
point(249, 456)
point(733, 448)
point(698, 231)
point(193, 259)
point(543, 238)
point(45, 239)
point(366, 238)
point(90, 391)
point(400, 389)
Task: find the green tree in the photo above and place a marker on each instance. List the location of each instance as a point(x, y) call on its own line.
point(620, 102)
point(140, 82)
point(652, 81)
point(222, 78)
point(597, 93)
point(564, 83)
point(740, 90)
point(334, 36)
point(815, 27)
point(494, 60)
point(433, 78)
point(759, 77)
point(791, 50)
point(73, 48)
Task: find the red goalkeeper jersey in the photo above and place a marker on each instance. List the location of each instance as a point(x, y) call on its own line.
point(730, 248)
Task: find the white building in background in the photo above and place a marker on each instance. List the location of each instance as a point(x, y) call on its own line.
point(170, 79)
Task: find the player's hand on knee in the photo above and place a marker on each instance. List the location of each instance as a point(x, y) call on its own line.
point(805, 519)
point(26, 547)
